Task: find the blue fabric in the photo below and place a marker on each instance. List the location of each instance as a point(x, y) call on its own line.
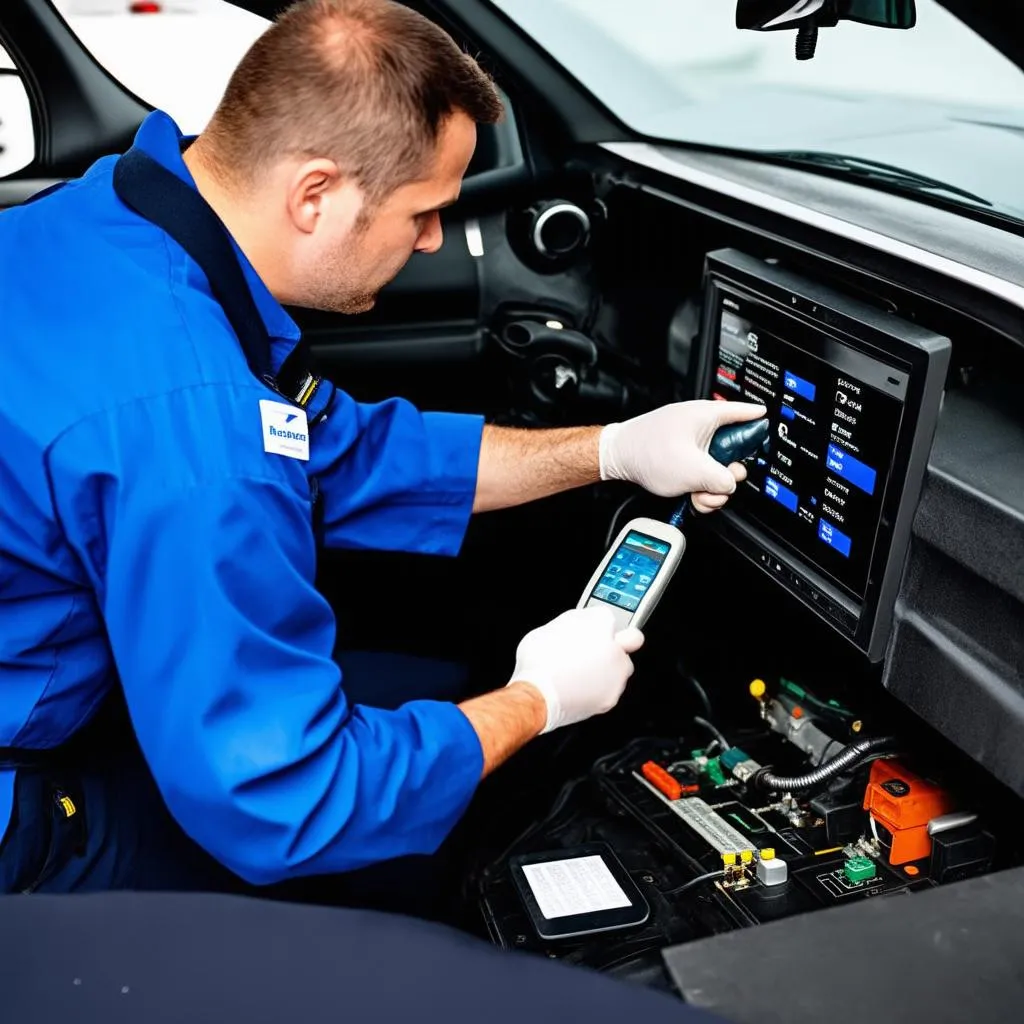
point(121, 958)
point(131, 842)
point(147, 538)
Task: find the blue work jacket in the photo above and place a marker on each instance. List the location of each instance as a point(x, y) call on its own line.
point(149, 539)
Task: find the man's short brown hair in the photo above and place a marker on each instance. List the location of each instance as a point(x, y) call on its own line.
point(367, 83)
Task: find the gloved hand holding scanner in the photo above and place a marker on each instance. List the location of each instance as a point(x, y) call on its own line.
point(637, 568)
point(580, 661)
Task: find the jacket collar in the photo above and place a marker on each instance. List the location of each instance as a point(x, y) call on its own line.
point(161, 139)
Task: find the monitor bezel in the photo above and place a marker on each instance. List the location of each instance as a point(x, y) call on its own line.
point(866, 619)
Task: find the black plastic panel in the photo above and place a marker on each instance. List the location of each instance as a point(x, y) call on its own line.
point(957, 653)
point(946, 956)
point(973, 508)
point(431, 346)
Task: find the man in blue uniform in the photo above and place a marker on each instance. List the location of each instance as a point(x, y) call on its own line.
point(156, 533)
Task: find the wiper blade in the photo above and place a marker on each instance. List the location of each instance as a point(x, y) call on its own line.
point(877, 171)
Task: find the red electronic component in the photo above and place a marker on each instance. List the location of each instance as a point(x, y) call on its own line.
point(904, 803)
point(661, 780)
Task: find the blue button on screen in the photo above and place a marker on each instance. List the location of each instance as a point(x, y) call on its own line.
point(843, 464)
point(834, 538)
point(783, 495)
point(788, 413)
point(804, 388)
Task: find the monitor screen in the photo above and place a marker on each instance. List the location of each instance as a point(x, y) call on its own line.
point(835, 415)
point(631, 570)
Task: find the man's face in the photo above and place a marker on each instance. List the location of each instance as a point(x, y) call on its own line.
point(351, 255)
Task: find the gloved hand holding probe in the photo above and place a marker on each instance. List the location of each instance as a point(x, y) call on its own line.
point(666, 450)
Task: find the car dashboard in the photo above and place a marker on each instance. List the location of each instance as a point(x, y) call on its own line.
point(808, 801)
point(834, 685)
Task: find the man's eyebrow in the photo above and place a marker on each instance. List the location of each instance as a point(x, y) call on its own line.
point(443, 205)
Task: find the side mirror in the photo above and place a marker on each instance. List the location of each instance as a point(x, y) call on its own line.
point(807, 16)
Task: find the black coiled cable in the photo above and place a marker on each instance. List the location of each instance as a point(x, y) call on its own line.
point(846, 759)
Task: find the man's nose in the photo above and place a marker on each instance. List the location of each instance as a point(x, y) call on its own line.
point(432, 235)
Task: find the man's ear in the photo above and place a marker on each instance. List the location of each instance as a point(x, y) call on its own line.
point(318, 188)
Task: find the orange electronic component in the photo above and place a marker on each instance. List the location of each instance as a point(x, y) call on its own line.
point(660, 779)
point(904, 803)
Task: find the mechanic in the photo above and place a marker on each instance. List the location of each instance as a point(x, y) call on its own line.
point(156, 535)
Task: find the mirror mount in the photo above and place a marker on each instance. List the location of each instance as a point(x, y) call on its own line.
point(808, 16)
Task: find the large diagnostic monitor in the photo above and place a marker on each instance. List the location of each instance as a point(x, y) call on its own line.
point(853, 395)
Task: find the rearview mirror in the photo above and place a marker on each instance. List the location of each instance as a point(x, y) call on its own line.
point(807, 16)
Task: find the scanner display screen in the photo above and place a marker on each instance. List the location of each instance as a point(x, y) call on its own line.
point(835, 415)
point(631, 570)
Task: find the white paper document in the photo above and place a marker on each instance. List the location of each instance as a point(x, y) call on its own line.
point(580, 885)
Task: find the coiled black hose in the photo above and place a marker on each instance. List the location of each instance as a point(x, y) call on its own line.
point(848, 758)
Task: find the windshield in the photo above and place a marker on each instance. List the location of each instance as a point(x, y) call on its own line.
point(935, 100)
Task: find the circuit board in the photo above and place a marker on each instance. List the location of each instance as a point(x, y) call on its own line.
point(711, 851)
point(714, 819)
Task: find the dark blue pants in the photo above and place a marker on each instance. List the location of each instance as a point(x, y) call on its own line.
point(120, 958)
point(122, 836)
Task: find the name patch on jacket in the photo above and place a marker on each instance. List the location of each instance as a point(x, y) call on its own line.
point(285, 430)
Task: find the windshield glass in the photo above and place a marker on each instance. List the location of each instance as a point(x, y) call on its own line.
point(935, 100)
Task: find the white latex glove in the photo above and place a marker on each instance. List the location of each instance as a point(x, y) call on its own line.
point(666, 450)
point(578, 662)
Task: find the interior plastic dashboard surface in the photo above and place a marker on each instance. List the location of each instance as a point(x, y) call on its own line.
point(946, 242)
point(938, 956)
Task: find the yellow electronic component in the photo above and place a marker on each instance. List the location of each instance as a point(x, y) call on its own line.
point(747, 856)
point(767, 853)
point(728, 859)
point(758, 689)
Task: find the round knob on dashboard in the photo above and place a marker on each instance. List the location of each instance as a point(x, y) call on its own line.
point(559, 228)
